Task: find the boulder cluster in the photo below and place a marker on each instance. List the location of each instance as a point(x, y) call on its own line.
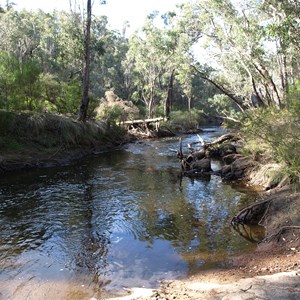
point(234, 165)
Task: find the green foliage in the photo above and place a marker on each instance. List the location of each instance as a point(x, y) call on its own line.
point(274, 134)
point(9, 144)
point(294, 98)
point(19, 83)
point(114, 109)
point(112, 114)
point(63, 97)
point(220, 105)
point(185, 120)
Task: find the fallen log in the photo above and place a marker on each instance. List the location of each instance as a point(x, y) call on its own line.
point(134, 122)
point(222, 139)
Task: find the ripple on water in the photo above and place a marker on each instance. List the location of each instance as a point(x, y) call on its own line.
point(124, 218)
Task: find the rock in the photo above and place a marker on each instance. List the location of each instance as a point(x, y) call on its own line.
point(242, 164)
point(202, 165)
point(219, 151)
point(199, 154)
point(228, 149)
point(238, 169)
point(225, 170)
point(230, 158)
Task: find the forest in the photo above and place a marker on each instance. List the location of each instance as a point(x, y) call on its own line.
point(238, 62)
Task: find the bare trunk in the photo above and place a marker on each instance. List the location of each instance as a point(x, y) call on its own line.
point(285, 80)
point(150, 107)
point(265, 74)
point(86, 65)
point(259, 99)
point(169, 98)
point(189, 108)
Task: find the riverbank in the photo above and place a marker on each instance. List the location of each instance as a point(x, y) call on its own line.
point(41, 140)
point(270, 272)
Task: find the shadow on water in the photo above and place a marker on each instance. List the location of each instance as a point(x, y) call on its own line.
point(122, 219)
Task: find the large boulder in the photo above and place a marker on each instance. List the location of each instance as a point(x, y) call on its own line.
point(199, 154)
point(238, 169)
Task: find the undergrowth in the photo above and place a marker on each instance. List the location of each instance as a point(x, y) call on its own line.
point(19, 130)
point(274, 136)
point(184, 120)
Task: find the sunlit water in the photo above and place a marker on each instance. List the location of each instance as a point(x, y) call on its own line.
point(121, 219)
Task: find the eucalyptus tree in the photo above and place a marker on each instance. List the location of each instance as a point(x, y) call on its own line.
point(86, 64)
point(283, 28)
point(49, 41)
point(240, 61)
point(108, 54)
point(150, 64)
point(19, 86)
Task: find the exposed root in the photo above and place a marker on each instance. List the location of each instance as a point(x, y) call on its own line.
point(280, 231)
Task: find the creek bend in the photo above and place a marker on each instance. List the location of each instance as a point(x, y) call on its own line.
point(121, 219)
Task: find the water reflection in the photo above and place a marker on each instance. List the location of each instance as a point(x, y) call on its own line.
point(252, 233)
point(125, 218)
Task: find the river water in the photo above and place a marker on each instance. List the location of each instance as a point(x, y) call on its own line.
point(122, 219)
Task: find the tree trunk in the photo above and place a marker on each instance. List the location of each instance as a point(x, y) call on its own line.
point(258, 97)
point(86, 65)
point(150, 107)
point(269, 80)
point(169, 98)
point(189, 108)
point(284, 78)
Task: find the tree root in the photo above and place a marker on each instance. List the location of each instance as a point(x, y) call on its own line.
point(280, 231)
point(252, 214)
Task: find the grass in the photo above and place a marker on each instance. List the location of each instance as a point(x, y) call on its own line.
point(43, 132)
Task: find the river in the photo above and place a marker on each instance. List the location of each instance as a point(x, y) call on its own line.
point(118, 220)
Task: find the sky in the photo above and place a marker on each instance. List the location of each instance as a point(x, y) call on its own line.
point(117, 11)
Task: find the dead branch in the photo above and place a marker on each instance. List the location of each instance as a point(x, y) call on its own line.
point(179, 152)
point(222, 139)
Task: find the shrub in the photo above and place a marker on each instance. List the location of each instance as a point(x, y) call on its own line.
point(184, 120)
point(276, 134)
point(113, 109)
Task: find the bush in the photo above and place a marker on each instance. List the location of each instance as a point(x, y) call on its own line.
point(19, 83)
point(276, 134)
point(113, 109)
point(184, 120)
point(46, 130)
point(221, 105)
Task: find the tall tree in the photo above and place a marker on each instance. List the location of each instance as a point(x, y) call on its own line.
point(86, 65)
point(241, 61)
